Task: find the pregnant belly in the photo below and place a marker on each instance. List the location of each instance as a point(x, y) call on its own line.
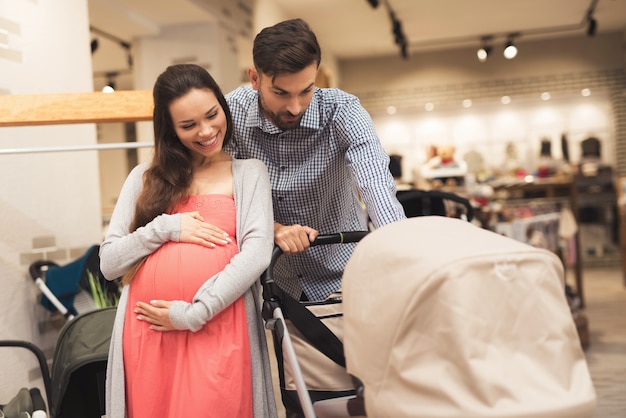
point(177, 270)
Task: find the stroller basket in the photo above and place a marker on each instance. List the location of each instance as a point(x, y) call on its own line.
point(307, 332)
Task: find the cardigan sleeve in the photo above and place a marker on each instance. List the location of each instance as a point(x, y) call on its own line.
point(121, 248)
point(255, 238)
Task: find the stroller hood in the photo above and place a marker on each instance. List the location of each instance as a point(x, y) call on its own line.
point(445, 319)
point(81, 352)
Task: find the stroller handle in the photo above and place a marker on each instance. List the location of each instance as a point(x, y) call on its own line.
point(37, 268)
point(267, 278)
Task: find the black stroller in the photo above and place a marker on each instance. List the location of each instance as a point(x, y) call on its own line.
point(74, 383)
point(307, 335)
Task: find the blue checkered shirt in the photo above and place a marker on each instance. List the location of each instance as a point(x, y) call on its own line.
point(317, 172)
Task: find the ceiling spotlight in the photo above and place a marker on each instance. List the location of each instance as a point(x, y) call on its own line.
point(94, 45)
point(373, 3)
point(110, 86)
point(592, 25)
point(483, 52)
point(485, 49)
point(510, 50)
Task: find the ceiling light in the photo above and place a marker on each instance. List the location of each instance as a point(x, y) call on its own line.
point(545, 96)
point(585, 92)
point(429, 107)
point(485, 49)
point(373, 3)
point(94, 45)
point(110, 86)
point(592, 24)
point(505, 100)
point(467, 103)
point(510, 50)
point(483, 53)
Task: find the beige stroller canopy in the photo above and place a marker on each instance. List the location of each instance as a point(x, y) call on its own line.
point(445, 319)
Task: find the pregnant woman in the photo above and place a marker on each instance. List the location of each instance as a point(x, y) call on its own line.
point(190, 235)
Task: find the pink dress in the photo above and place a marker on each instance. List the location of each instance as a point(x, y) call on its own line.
point(182, 373)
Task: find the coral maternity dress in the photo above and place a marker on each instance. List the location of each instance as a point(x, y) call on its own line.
point(182, 373)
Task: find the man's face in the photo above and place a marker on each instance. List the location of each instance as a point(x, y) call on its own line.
point(284, 99)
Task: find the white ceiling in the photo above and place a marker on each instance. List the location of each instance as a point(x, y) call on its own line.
point(353, 28)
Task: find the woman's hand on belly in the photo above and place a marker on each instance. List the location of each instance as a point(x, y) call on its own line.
point(156, 313)
point(195, 230)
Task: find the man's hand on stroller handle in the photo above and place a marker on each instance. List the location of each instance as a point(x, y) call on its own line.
point(156, 313)
point(195, 230)
point(294, 239)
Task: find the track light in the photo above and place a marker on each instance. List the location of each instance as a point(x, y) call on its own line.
point(398, 34)
point(510, 50)
point(373, 3)
point(94, 45)
point(485, 49)
point(592, 24)
point(483, 52)
point(126, 45)
point(110, 86)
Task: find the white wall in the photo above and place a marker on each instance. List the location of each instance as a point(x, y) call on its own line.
point(52, 195)
point(210, 45)
point(487, 126)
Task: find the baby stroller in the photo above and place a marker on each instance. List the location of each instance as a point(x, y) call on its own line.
point(77, 286)
point(446, 319)
point(307, 338)
point(418, 202)
point(74, 384)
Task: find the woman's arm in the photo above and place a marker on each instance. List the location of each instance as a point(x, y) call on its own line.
point(256, 241)
point(121, 249)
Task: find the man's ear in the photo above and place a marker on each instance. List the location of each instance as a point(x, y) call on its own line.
point(253, 75)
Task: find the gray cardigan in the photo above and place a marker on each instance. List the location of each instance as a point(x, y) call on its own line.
point(121, 249)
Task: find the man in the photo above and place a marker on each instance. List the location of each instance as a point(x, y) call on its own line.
point(322, 153)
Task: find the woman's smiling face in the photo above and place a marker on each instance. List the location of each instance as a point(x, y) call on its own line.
point(199, 122)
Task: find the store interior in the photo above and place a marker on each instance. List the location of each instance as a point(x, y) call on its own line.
point(537, 143)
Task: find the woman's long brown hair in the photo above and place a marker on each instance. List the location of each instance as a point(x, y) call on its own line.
point(166, 181)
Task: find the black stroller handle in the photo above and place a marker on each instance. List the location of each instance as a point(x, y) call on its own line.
point(43, 365)
point(37, 268)
point(338, 238)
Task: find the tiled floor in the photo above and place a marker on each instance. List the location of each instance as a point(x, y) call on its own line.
point(605, 295)
point(606, 355)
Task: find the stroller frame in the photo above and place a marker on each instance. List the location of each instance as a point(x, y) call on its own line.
point(274, 318)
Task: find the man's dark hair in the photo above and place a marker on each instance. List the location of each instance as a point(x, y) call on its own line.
point(285, 48)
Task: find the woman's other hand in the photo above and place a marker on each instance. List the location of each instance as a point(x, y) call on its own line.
point(156, 313)
point(195, 230)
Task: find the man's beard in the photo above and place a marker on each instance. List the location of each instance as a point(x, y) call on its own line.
point(276, 119)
